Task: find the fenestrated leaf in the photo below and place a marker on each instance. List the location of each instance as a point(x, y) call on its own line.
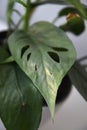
point(20, 101)
point(78, 75)
point(45, 54)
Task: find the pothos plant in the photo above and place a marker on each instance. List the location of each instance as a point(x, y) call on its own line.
point(33, 61)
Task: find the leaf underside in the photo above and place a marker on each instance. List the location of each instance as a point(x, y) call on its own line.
point(45, 54)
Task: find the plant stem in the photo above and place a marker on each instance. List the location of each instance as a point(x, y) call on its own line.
point(27, 16)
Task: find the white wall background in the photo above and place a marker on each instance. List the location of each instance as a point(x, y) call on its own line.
point(72, 114)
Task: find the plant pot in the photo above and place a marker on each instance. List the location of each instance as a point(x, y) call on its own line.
point(3, 35)
point(64, 88)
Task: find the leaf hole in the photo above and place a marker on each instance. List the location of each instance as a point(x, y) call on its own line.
point(24, 49)
point(28, 56)
point(35, 67)
point(54, 56)
point(59, 49)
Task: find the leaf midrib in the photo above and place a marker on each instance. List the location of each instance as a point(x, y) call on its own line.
point(41, 55)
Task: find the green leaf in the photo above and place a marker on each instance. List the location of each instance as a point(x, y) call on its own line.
point(20, 101)
point(22, 2)
point(78, 75)
point(75, 24)
point(42, 2)
point(45, 54)
point(78, 5)
point(3, 54)
point(65, 11)
point(10, 10)
point(7, 60)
